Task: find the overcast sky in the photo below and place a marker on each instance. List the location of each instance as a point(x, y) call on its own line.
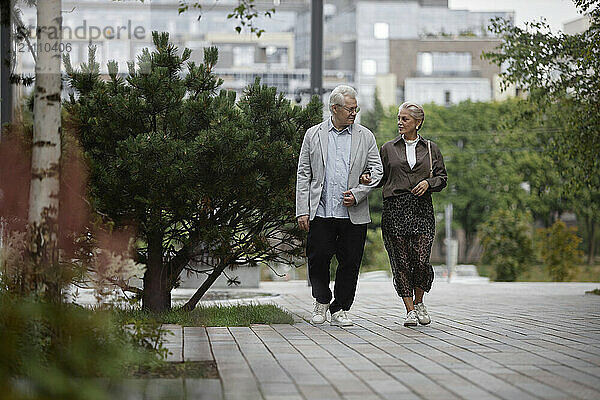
point(556, 12)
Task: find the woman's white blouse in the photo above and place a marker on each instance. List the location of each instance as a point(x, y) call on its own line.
point(411, 154)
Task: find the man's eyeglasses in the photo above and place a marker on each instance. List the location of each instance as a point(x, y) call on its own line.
point(354, 110)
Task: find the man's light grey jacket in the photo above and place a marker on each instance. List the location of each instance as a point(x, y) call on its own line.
point(311, 171)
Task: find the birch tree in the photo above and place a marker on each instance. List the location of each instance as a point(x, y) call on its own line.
point(46, 144)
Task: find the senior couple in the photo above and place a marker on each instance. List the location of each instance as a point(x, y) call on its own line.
point(339, 165)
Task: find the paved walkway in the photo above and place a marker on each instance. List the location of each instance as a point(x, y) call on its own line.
point(487, 341)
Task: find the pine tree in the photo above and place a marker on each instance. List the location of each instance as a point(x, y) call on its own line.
point(197, 175)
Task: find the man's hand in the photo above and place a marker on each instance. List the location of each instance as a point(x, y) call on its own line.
point(420, 189)
point(365, 178)
point(304, 222)
point(349, 199)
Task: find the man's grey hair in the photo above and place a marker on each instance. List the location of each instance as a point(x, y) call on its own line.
point(337, 95)
point(415, 111)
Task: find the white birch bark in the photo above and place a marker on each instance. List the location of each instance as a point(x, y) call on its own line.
point(46, 146)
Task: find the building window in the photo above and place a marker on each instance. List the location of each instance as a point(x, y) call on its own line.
point(277, 56)
point(369, 67)
point(447, 99)
point(444, 63)
point(425, 63)
point(243, 56)
point(452, 62)
point(381, 30)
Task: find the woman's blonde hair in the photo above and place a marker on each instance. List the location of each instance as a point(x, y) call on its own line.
point(415, 111)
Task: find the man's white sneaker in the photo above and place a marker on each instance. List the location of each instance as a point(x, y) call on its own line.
point(422, 314)
point(411, 319)
point(339, 318)
point(319, 314)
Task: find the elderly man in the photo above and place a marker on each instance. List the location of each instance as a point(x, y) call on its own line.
point(332, 205)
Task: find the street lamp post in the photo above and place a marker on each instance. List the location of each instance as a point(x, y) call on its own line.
point(316, 48)
point(316, 56)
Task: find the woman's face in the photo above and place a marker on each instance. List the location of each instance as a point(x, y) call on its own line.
point(406, 123)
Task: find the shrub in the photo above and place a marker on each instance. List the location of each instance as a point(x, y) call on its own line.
point(507, 245)
point(557, 246)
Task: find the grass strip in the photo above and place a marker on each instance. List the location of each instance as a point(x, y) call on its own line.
point(236, 315)
point(171, 370)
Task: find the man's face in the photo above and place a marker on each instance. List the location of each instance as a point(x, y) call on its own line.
point(341, 115)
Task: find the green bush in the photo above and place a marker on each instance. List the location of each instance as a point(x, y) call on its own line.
point(507, 245)
point(558, 248)
point(58, 351)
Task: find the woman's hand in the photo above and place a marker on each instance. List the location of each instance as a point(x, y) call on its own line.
point(365, 178)
point(421, 188)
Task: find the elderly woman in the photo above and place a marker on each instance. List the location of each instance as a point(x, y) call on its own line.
point(413, 168)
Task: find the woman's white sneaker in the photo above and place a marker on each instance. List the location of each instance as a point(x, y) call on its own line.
point(411, 319)
point(422, 314)
point(340, 318)
point(319, 314)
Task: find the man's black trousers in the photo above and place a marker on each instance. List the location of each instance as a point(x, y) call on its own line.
point(339, 236)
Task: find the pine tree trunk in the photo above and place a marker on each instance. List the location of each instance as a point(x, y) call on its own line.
point(157, 291)
point(193, 301)
point(46, 146)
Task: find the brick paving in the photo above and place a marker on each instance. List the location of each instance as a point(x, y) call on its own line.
point(486, 341)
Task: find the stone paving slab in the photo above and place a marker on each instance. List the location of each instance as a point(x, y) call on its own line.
point(196, 346)
point(173, 338)
point(486, 341)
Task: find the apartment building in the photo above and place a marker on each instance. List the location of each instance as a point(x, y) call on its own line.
point(402, 48)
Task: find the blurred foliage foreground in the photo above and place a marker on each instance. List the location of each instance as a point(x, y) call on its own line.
point(65, 351)
point(52, 349)
point(58, 351)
